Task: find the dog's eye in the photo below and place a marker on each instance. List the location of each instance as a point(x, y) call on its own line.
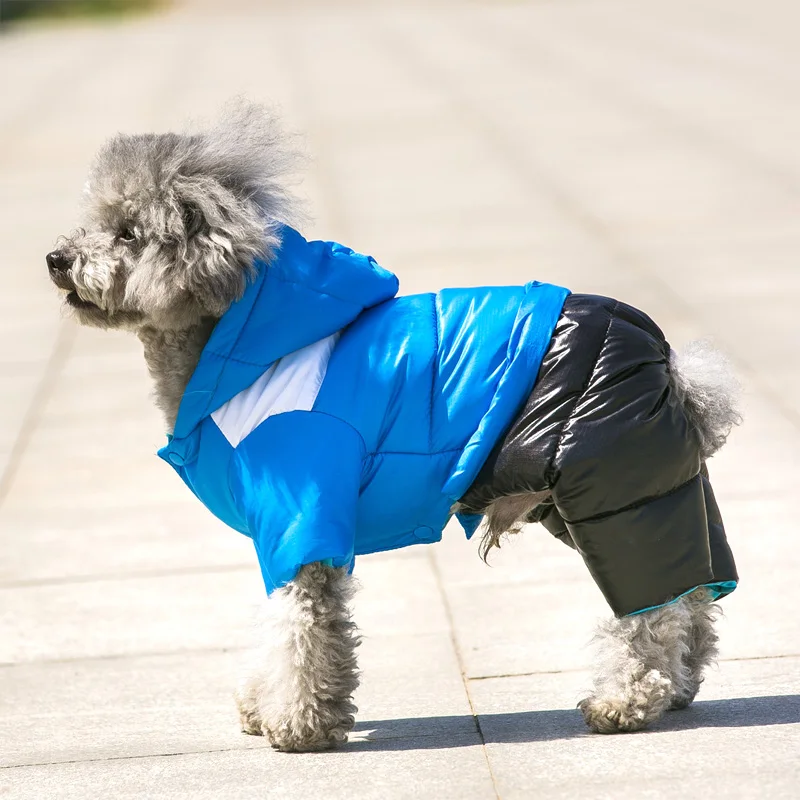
point(126, 235)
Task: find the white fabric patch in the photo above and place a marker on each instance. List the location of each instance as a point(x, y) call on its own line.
point(291, 384)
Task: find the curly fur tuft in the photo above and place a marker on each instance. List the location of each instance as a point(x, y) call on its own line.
point(507, 516)
point(710, 393)
point(249, 145)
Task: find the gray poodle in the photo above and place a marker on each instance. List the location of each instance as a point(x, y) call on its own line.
point(313, 410)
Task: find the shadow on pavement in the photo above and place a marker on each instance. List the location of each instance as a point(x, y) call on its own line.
point(432, 733)
point(736, 712)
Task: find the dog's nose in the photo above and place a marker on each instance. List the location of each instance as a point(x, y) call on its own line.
point(57, 262)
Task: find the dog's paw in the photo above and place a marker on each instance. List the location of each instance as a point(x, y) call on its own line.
point(644, 702)
point(305, 739)
point(310, 728)
point(611, 716)
point(679, 702)
point(250, 723)
point(684, 698)
point(247, 704)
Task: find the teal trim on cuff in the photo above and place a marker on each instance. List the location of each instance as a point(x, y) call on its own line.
point(719, 589)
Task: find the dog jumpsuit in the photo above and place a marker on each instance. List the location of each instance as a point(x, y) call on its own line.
point(328, 418)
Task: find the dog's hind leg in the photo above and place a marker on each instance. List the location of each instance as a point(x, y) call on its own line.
point(649, 663)
point(703, 647)
point(298, 690)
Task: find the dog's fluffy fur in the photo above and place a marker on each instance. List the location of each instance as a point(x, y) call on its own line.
point(171, 227)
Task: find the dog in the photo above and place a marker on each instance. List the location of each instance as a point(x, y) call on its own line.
point(184, 234)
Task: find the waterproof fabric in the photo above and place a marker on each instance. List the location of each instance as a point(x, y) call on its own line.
point(388, 406)
point(604, 433)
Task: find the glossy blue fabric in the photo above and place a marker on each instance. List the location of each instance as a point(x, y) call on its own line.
point(417, 391)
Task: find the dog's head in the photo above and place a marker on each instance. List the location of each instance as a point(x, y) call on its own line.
point(173, 222)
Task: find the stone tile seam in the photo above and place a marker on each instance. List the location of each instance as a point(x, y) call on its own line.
point(65, 339)
point(143, 654)
point(184, 652)
point(462, 667)
point(125, 758)
point(359, 744)
point(235, 648)
point(575, 670)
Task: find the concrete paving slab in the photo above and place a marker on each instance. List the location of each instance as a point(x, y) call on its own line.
point(124, 707)
point(127, 616)
point(497, 610)
point(101, 543)
point(372, 771)
point(399, 595)
point(117, 479)
point(508, 628)
point(189, 609)
point(539, 746)
point(111, 708)
point(409, 683)
point(17, 388)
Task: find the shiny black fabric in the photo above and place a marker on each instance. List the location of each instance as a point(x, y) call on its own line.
point(604, 432)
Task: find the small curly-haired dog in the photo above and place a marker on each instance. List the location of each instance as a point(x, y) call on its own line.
point(603, 437)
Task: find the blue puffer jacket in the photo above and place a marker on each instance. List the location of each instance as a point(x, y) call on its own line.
point(327, 418)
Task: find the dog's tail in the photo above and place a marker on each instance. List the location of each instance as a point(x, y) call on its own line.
point(710, 393)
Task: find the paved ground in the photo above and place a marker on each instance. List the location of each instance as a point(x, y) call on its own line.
point(646, 150)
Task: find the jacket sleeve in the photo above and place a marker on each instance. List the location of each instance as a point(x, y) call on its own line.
point(296, 478)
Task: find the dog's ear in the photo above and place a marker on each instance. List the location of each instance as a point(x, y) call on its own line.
point(192, 220)
point(218, 236)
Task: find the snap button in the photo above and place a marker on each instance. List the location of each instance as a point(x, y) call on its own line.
point(424, 533)
point(180, 452)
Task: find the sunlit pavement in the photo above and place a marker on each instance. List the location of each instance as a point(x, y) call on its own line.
point(644, 150)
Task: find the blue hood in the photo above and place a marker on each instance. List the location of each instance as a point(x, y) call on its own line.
point(323, 286)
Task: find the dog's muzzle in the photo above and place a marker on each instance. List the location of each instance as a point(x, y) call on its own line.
point(57, 262)
point(59, 266)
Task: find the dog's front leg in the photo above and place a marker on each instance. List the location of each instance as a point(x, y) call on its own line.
point(298, 691)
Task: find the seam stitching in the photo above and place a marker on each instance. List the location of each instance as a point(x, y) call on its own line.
point(633, 506)
point(579, 397)
point(433, 369)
